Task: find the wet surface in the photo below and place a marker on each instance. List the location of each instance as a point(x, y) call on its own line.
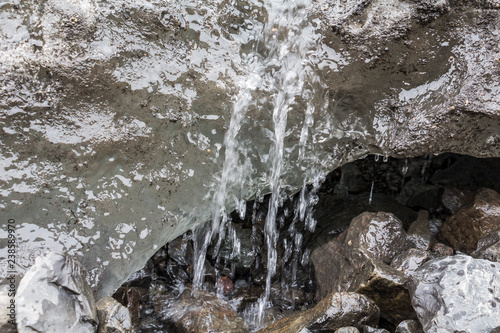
point(113, 114)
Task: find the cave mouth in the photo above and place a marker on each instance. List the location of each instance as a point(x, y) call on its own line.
point(403, 187)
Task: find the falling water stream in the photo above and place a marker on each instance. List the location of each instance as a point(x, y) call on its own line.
point(282, 65)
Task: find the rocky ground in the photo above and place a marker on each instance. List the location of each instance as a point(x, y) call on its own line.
point(400, 246)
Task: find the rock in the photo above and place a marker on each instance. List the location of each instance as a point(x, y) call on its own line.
point(201, 313)
point(6, 314)
point(427, 198)
point(453, 199)
point(349, 329)
point(369, 329)
point(409, 326)
point(457, 293)
point(475, 220)
point(286, 298)
point(331, 313)
point(113, 317)
point(54, 296)
point(224, 285)
point(488, 247)
point(419, 232)
point(131, 298)
point(379, 236)
point(181, 251)
point(356, 261)
point(408, 261)
point(352, 178)
point(441, 250)
point(387, 287)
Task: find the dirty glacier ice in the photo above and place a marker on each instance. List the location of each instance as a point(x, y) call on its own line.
point(113, 114)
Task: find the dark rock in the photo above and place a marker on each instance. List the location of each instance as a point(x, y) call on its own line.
point(244, 296)
point(54, 296)
point(379, 236)
point(387, 287)
point(409, 326)
point(349, 329)
point(199, 313)
point(467, 174)
point(419, 232)
point(457, 293)
point(427, 198)
point(333, 312)
point(286, 298)
point(181, 251)
point(113, 317)
point(453, 199)
point(488, 247)
point(331, 221)
point(408, 261)
point(352, 178)
point(441, 250)
point(355, 261)
point(224, 285)
point(473, 221)
point(131, 298)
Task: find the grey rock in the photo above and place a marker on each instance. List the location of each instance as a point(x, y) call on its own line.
point(113, 317)
point(349, 329)
point(453, 199)
point(54, 296)
point(419, 232)
point(409, 326)
point(410, 260)
point(331, 313)
point(457, 293)
point(369, 329)
point(488, 247)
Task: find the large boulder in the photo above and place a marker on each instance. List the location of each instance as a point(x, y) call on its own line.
point(358, 260)
point(111, 148)
point(54, 296)
point(113, 317)
point(475, 220)
point(457, 293)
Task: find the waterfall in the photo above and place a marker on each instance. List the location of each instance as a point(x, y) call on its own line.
point(282, 65)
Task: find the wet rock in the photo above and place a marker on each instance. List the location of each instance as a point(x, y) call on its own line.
point(369, 329)
point(286, 298)
point(475, 220)
point(409, 326)
point(113, 317)
point(408, 261)
point(453, 199)
point(488, 247)
point(181, 251)
point(54, 296)
point(6, 314)
point(353, 179)
point(201, 313)
point(387, 287)
point(333, 312)
point(329, 221)
point(131, 298)
point(379, 236)
point(356, 261)
point(224, 285)
point(349, 329)
point(457, 293)
point(419, 232)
